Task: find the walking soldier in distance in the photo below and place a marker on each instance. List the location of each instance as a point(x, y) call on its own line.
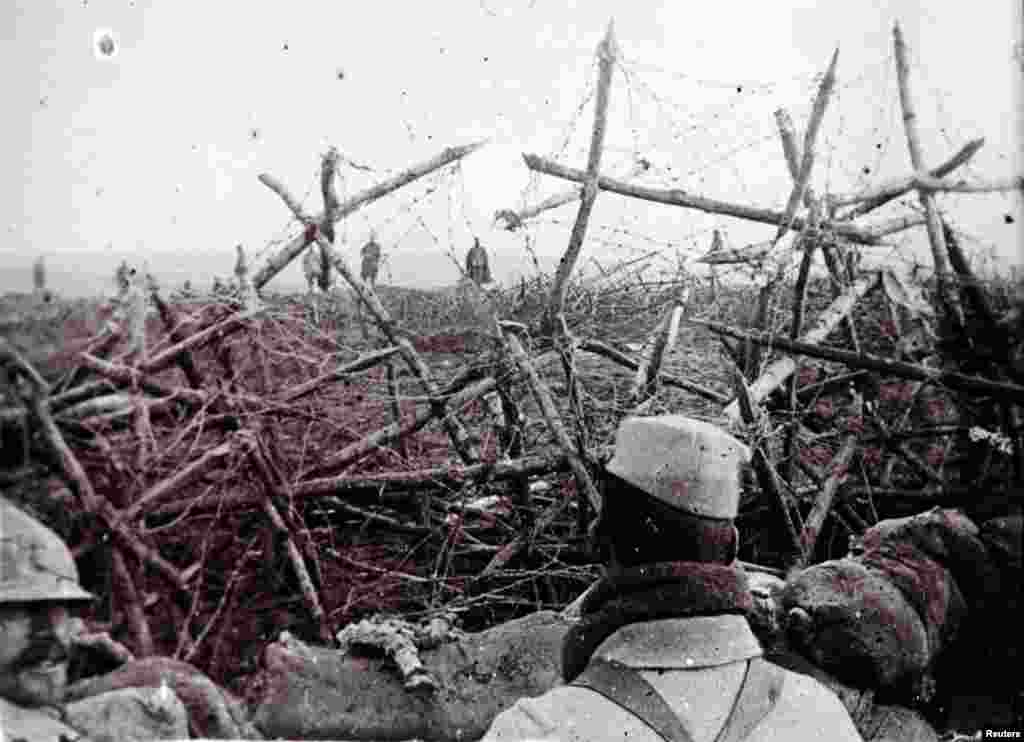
point(370, 261)
point(663, 650)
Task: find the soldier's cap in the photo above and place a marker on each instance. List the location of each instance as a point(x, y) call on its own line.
point(35, 563)
point(688, 464)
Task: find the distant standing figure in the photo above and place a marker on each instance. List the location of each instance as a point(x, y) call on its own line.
point(371, 260)
point(316, 268)
point(477, 264)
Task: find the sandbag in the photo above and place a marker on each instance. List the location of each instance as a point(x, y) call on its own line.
point(853, 622)
point(319, 693)
point(212, 711)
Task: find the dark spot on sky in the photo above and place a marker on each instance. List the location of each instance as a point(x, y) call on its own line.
point(106, 45)
point(340, 74)
point(1008, 218)
point(284, 47)
point(739, 88)
point(487, 59)
point(43, 101)
point(99, 191)
point(254, 134)
point(866, 170)
point(878, 145)
point(441, 50)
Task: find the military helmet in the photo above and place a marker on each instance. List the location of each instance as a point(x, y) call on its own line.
point(687, 464)
point(35, 564)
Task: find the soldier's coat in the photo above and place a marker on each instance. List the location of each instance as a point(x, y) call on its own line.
point(697, 665)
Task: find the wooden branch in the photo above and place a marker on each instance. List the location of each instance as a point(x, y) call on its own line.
point(75, 476)
point(216, 332)
point(754, 253)
point(800, 290)
point(803, 177)
point(126, 376)
point(220, 403)
point(676, 197)
point(762, 321)
point(945, 288)
point(382, 437)
point(766, 475)
point(169, 317)
point(456, 431)
point(396, 406)
point(901, 447)
point(925, 182)
point(542, 395)
point(100, 346)
point(975, 295)
point(780, 370)
point(330, 197)
point(392, 524)
point(514, 220)
point(809, 243)
point(278, 262)
point(130, 602)
point(212, 460)
point(272, 508)
point(823, 504)
point(883, 194)
point(659, 345)
point(553, 319)
point(445, 477)
point(886, 366)
point(390, 487)
point(790, 147)
point(362, 363)
point(598, 348)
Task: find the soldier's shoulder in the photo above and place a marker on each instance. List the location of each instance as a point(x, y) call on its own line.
point(810, 706)
point(131, 713)
point(566, 714)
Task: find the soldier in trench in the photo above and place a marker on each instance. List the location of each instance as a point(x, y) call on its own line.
point(663, 649)
point(39, 595)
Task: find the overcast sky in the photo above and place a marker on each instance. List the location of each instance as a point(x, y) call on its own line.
point(155, 150)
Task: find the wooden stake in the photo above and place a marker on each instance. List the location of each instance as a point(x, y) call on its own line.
point(822, 506)
point(550, 412)
point(514, 220)
point(455, 429)
point(803, 176)
point(888, 366)
point(280, 261)
point(553, 321)
point(883, 194)
point(780, 370)
point(936, 239)
point(869, 235)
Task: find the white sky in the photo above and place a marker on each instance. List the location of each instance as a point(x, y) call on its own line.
point(155, 153)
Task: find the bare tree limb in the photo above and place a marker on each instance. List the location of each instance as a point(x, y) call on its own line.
point(278, 262)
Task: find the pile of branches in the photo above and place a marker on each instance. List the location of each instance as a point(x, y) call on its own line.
point(893, 402)
point(245, 471)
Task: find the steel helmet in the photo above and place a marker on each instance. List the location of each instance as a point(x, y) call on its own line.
point(35, 564)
